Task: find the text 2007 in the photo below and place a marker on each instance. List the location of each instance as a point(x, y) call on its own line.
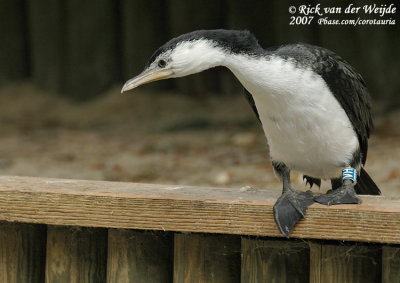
point(300, 20)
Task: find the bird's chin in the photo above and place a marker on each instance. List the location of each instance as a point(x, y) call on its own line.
point(147, 77)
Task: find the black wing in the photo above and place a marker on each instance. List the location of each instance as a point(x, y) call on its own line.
point(344, 82)
point(350, 90)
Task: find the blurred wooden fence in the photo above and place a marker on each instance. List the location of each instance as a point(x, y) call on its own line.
point(80, 48)
point(54, 230)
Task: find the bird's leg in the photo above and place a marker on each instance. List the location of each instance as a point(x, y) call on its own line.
point(291, 205)
point(344, 193)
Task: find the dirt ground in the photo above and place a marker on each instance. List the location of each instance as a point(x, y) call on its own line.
point(157, 138)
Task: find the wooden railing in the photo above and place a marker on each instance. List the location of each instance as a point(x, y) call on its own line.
point(56, 230)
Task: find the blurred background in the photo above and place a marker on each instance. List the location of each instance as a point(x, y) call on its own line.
point(62, 64)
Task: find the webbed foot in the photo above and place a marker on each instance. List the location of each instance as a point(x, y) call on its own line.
point(290, 208)
point(345, 194)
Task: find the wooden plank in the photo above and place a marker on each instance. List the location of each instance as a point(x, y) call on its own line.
point(315, 262)
point(377, 59)
point(348, 264)
point(90, 51)
point(76, 63)
point(47, 24)
point(390, 264)
point(191, 209)
point(138, 44)
point(13, 43)
point(206, 258)
point(22, 252)
point(76, 255)
point(139, 256)
point(268, 260)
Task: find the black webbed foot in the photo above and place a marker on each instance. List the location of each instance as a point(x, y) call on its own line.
point(344, 194)
point(290, 208)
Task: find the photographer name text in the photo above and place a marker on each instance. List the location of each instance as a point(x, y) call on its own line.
point(372, 14)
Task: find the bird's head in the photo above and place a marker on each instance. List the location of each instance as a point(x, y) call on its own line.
point(192, 53)
point(182, 59)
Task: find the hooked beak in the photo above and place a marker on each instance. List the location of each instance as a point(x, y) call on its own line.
point(145, 77)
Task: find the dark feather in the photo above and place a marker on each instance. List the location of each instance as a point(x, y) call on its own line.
point(365, 185)
point(250, 99)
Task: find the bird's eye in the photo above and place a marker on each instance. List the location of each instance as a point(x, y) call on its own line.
point(162, 63)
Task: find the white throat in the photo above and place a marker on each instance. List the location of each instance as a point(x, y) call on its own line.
point(194, 57)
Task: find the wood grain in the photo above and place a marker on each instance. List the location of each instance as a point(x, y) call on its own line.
point(188, 209)
point(274, 261)
point(349, 264)
point(315, 262)
point(139, 256)
point(22, 252)
point(76, 255)
point(390, 264)
point(200, 258)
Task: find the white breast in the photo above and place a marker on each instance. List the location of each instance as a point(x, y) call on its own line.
point(305, 125)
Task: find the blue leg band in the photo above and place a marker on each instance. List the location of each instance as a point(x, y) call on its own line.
point(349, 173)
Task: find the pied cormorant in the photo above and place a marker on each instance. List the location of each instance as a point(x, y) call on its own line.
point(313, 106)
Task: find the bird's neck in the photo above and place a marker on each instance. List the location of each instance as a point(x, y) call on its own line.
point(258, 72)
point(216, 48)
point(247, 69)
point(205, 54)
point(262, 74)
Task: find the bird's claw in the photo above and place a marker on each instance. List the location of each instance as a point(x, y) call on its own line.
point(311, 181)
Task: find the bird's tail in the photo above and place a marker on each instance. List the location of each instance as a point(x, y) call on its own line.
point(365, 185)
